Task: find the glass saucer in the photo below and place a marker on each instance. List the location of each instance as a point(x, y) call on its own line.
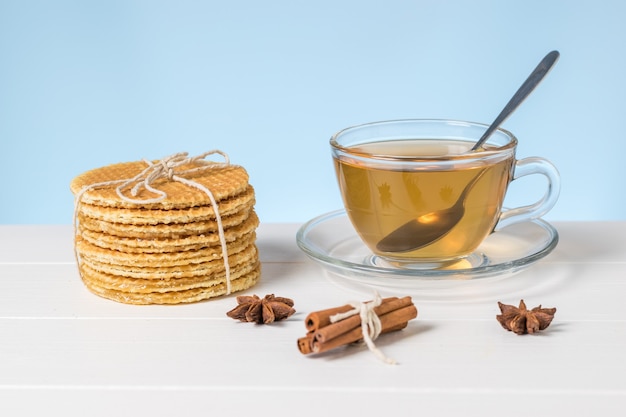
point(331, 240)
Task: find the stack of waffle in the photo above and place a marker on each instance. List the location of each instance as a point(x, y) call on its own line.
point(174, 231)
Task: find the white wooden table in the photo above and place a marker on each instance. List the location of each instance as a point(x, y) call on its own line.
point(64, 351)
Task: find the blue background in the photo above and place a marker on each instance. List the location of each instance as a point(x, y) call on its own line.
point(89, 83)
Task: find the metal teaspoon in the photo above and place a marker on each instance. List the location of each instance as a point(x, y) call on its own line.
point(430, 227)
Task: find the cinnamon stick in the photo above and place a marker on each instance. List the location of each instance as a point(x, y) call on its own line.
point(336, 329)
point(394, 320)
point(319, 319)
point(305, 344)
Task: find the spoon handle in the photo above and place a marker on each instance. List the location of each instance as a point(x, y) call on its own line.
point(525, 89)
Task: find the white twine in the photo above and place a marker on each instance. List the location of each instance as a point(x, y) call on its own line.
point(370, 324)
point(166, 168)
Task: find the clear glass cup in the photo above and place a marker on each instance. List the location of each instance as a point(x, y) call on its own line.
point(417, 196)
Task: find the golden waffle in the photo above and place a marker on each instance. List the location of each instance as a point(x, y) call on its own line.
point(224, 181)
point(166, 230)
point(139, 216)
point(172, 282)
point(175, 297)
point(109, 256)
point(192, 270)
point(162, 245)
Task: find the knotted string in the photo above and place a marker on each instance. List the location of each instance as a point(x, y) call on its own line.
point(370, 324)
point(167, 168)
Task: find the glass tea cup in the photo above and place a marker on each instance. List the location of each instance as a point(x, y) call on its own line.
point(418, 197)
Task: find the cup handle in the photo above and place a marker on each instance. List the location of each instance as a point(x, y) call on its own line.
point(528, 166)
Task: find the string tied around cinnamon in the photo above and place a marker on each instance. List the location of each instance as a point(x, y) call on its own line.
point(172, 169)
point(370, 324)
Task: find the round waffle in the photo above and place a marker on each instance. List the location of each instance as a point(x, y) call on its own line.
point(171, 279)
point(166, 230)
point(175, 297)
point(224, 181)
point(188, 242)
point(139, 216)
point(148, 259)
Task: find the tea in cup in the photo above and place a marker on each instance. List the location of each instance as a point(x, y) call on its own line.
point(418, 196)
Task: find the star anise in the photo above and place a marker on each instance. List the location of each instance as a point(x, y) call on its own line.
point(261, 310)
point(520, 320)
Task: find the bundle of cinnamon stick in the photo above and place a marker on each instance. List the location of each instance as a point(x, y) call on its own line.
point(394, 314)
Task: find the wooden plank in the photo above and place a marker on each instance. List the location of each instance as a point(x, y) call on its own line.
point(437, 355)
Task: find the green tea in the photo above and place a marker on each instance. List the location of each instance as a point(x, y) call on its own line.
point(379, 200)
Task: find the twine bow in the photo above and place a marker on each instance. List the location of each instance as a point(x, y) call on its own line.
point(168, 168)
point(370, 324)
